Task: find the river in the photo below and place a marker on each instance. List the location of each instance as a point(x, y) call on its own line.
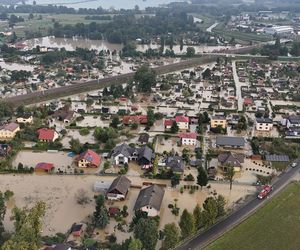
point(71, 44)
point(93, 4)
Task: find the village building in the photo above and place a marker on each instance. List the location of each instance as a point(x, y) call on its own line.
point(25, 119)
point(143, 139)
point(119, 188)
point(175, 164)
point(145, 156)
point(218, 121)
point(230, 142)
point(135, 119)
point(47, 135)
point(264, 124)
point(44, 167)
point(64, 114)
point(168, 124)
point(149, 200)
point(9, 131)
point(188, 139)
point(182, 122)
point(231, 159)
point(89, 159)
point(123, 153)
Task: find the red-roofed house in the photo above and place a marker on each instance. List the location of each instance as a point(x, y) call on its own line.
point(188, 138)
point(47, 135)
point(8, 131)
point(182, 122)
point(168, 123)
point(248, 101)
point(44, 167)
point(132, 119)
point(89, 159)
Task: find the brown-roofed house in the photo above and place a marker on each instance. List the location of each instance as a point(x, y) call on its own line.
point(119, 188)
point(231, 159)
point(149, 200)
point(8, 131)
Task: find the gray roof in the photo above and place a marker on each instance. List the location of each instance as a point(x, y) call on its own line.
point(175, 163)
point(230, 141)
point(218, 117)
point(143, 138)
point(61, 246)
point(121, 184)
point(123, 149)
point(230, 158)
point(145, 152)
point(278, 158)
point(294, 119)
point(264, 120)
point(150, 196)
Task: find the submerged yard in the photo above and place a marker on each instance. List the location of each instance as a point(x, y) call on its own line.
point(275, 226)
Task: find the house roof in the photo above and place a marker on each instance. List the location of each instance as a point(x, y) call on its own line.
point(143, 138)
point(10, 126)
point(121, 184)
point(218, 117)
point(139, 119)
point(294, 119)
point(230, 158)
point(61, 246)
point(187, 135)
point(230, 141)
point(123, 149)
point(277, 158)
point(248, 101)
point(175, 163)
point(46, 134)
point(150, 196)
point(64, 113)
point(182, 118)
point(169, 122)
point(264, 120)
point(44, 165)
point(91, 157)
point(145, 152)
point(76, 228)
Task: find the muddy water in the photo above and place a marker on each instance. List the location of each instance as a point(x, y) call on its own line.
point(15, 66)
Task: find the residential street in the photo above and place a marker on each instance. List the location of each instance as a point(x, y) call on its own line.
point(203, 239)
point(239, 86)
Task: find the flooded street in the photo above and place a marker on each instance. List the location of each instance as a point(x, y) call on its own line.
point(16, 66)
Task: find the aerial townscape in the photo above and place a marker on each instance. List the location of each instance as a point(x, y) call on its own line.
point(149, 124)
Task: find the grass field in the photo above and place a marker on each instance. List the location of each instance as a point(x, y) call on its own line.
point(275, 226)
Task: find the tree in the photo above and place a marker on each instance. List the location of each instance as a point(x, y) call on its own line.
point(206, 74)
point(181, 44)
point(135, 244)
point(210, 211)
point(174, 128)
point(82, 197)
point(145, 77)
point(28, 226)
point(150, 117)
point(115, 122)
point(2, 214)
point(229, 174)
point(190, 51)
point(76, 146)
point(172, 236)
point(202, 178)
point(100, 217)
point(175, 180)
point(186, 224)
point(198, 217)
point(220, 205)
point(242, 123)
point(146, 230)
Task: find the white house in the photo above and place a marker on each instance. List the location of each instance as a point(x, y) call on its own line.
point(182, 122)
point(123, 153)
point(149, 200)
point(26, 119)
point(119, 188)
point(188, 139)
point(8, 131)
point(264, 124)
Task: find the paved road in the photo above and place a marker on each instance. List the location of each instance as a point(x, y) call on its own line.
point(203, 239)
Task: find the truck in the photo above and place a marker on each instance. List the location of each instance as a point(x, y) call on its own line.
point(264, 192)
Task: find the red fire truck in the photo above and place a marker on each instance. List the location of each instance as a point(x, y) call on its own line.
point(264, 192)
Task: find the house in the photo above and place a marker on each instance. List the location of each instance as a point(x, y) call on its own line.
point(44, 167)
point(189, 139)
point(119, 188)
point(168, 123)
point(292, 121)
point(25, 119)
point(231, 159)
point(89, 159)
point(62, 246)
point(47, 135)
point(149, 200)
point(5, 149)
point(175, 164)
point(230, 142)
point(76, 230)
point(145, 156)
point(277, 158)
point(248, 101)
point(123, 153)
point(101, 186)
point(113, 211)
point(218, 121)
point(135, 119)
point(264, 124)
point(182, 122)
point(9, 131)
point(64, 114)
point(143, 139)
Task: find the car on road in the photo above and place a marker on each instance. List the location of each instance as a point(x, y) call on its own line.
point(264, 192)
point(294, 164)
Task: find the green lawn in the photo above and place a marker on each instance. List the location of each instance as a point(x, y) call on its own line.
point(275, 226)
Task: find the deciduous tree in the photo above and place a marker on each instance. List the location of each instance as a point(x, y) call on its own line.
point(186, 224)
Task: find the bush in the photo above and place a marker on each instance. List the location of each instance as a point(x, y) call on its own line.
point(189, 177)
point(84, 131)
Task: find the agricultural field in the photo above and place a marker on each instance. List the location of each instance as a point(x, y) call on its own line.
point(275, 226)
